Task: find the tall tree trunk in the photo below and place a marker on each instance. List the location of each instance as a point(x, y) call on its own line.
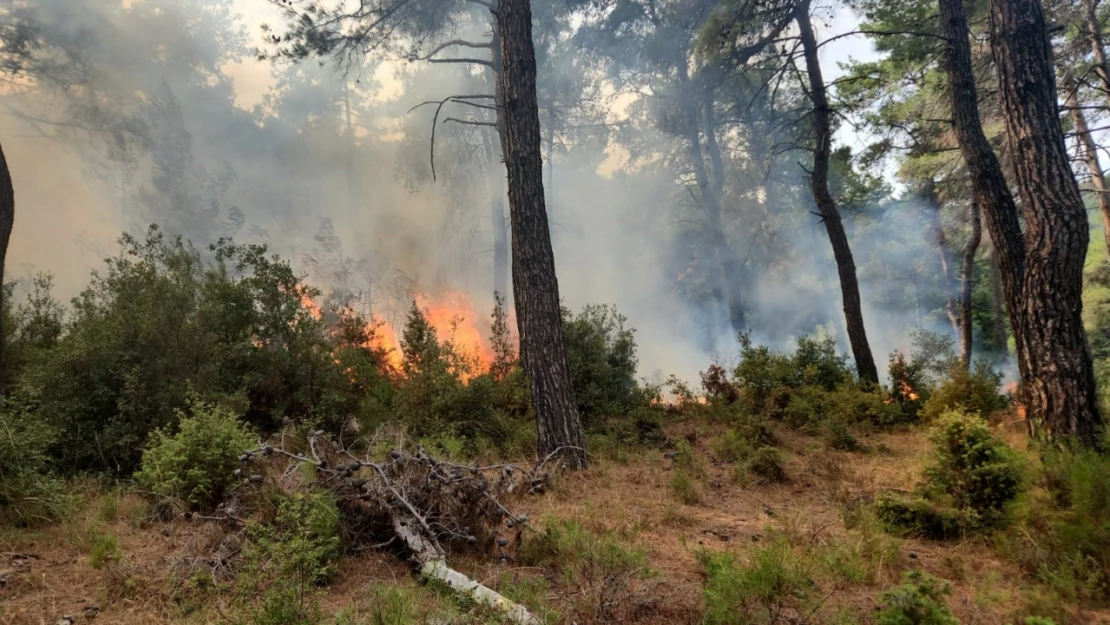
point(1001, 337)
point(1090, 150)
point(929, 194)
point(967, 273)
point(1060, 390)
point(709, 195)
point(535, 287)
point(497, 218)
point(830, 215)
point(1098, 48)
point(7, 220)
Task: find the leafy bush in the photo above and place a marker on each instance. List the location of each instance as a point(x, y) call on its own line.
point(1063, 532)
point(766, 462)
point(972, 467)
point(909, 385)
point(685, 487)
point(601, 354)
point(974, 392)
point(105, 550)
point(918, 601)
point(285, 561)
point(773, 583)
point(919, 518)
point(29, 493)
point(196, 464)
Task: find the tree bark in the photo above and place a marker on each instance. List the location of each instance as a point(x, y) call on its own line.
point(535, 287)
point(1090, 150)
point(929, 194)
point(496, 180)
point(967, 273)
point(1098, 48)
point(826, 205)
point(1042, 274)
point(1060, 390)
point(1001, 336)
point(7, 221)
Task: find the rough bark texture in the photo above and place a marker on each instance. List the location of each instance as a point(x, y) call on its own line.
point(1042, 274)
point(967, 273)
point(535, 287)
point(497, 189)
point(1001, 336)
point(830, 215)
point(7, 220)
point(1098, 48)
point(929, 194)
point(1090, 150)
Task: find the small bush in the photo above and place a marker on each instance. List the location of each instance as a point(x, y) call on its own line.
point(918, 518)
point(773, 583)
point(918, 601)
point(840, 437)
point(286, 560)
point(974, 392)
point(29, 493)
point(601, 354)
point(909, 385)
point(766, 462)
point(732, 446)
point(978, 471)
point(685, 487)
point(105, 550)
point(196, 464)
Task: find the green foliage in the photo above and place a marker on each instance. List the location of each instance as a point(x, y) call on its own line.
point(105, 550)
point(773, 582)
point(1062, 534)
point(909, 386)
point(919, 517)
point(286, 560)
point(762, 374)
point(971, 466)
point(920, 600)
point(29, 493)
point(601, 354)
point(766, 462)
point(974, 392)
point(160, 324)
point(686, 487)
point(197, 462)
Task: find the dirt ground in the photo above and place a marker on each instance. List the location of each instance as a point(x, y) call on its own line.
point(49, 573)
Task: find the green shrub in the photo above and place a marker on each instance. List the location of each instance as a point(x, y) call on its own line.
point(973, 392)
point(972, 467)
point(1063, 532)
point(919, 518)
point(909, 385)
point(29, 493)
point(196, 464)
point(851, 404)
point(286, 560)
point(105, 550)
point(918, 601)
point(732, 446)
point(840, 437)
point(766, 462)
point(601, 354)
point(773, 581)
point(685, 487)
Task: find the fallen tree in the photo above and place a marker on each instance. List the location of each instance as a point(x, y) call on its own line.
point(408, 498)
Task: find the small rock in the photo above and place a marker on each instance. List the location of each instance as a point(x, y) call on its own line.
point(91, 612)
point(913, 556)
point(501, 542)
point(66, 620)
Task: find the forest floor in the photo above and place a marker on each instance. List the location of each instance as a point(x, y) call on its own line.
point(112, 564)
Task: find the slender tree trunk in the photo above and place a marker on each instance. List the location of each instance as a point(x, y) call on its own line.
point(7, 220)
point(535, 287)
point(709, 194)
point(929, 194)
point(1060, 390)
point(496, 177)
point(1098, 48)
point(830, 215)
point(967, 273)
point(1090, 150)
point(1001, 337)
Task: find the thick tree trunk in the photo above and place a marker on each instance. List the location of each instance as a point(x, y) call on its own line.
point(929, 194)
point(967, 273)
point(1090, 150)
point(1001, 337)
point(7, 220)
point(1060, 389)
point(830, 215)
point(1042, 279)
point(535, 287)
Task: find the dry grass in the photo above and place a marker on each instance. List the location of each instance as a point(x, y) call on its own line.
point(631, 500)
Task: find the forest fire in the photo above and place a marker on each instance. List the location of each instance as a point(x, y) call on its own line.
point(904, 390)
point(454, 319)
point(1011, 388)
